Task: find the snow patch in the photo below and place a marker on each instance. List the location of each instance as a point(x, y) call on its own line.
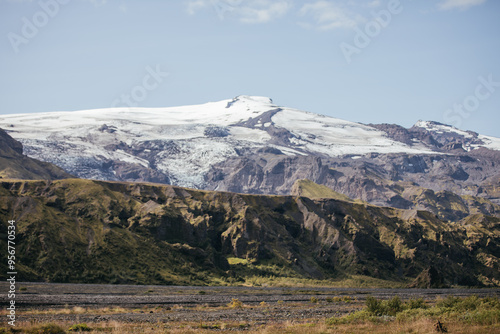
point(441, 128)
point(175, 141)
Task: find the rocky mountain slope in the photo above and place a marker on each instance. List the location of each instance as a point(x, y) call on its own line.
point(250, 145)
point(77, 230)
point(15, 165)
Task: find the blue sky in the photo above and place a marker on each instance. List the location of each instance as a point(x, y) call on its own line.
point(370, 61)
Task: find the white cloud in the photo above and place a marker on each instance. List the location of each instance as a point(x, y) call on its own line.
point(327, 15)
point(264, 11)
point(374, 4)
point(459, 4)
point(96, 3)
point(99, 2)
point(195, 5)
point(245, 11)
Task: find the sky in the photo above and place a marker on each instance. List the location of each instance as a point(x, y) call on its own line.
point(375, 61)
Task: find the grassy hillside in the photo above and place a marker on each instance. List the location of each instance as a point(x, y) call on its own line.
point(76, 230)
point(308, 188)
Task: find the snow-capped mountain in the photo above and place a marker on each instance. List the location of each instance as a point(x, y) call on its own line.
point(183, 143)
point(470, 140)
point(249, 144)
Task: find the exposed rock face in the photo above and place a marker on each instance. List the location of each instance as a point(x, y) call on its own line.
point(396, 132)
point(15, 165)
point(250, 145)
point(9, 146)
point(265, 173)
point(428, 279)
point(451, 187)
point(93, 231)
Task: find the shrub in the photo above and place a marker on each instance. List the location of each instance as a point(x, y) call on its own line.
point(470, 310)
point(314, 300)
point(347, 299)
point(417, 313)
point(393, 306)
point(389, 307)
point(482, 317)
point(374, 306)
point(235, 303)
point(80, 328)
point(493, 302)
point(457, 304)
point(448, 302)
point(416, 304)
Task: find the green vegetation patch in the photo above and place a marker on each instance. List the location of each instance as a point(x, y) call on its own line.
point(470, 310)
point(80, 328)
point(308, 188)
point(46, 329)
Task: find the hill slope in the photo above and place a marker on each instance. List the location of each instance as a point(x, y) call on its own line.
point(250, 145)
point(15, 165)
point(94, 231)
point(307, 188)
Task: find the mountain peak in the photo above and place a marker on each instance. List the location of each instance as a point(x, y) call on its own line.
point(183, 144)
point(430, 124)
point(251, 102)
point(254, 98)
point(434, 126)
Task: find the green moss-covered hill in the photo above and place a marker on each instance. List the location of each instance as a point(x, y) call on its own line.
point(76, 230)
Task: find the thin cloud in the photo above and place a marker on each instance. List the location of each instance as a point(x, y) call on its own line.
point(264, 11)
point(96, 3)
point(196, 5)
point(374, 4)
point(248, 11)
point(327, 15)
point(459, 4)
point(99, 3)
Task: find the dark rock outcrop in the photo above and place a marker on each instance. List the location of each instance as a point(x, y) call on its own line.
point(15, 165)
point(92, 231)
point(428, 279)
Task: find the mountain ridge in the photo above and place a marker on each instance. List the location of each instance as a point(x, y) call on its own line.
point(76, 230)
point(250, 145)
point(88, 231)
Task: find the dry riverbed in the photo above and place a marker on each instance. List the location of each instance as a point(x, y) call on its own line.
point(236, 308)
